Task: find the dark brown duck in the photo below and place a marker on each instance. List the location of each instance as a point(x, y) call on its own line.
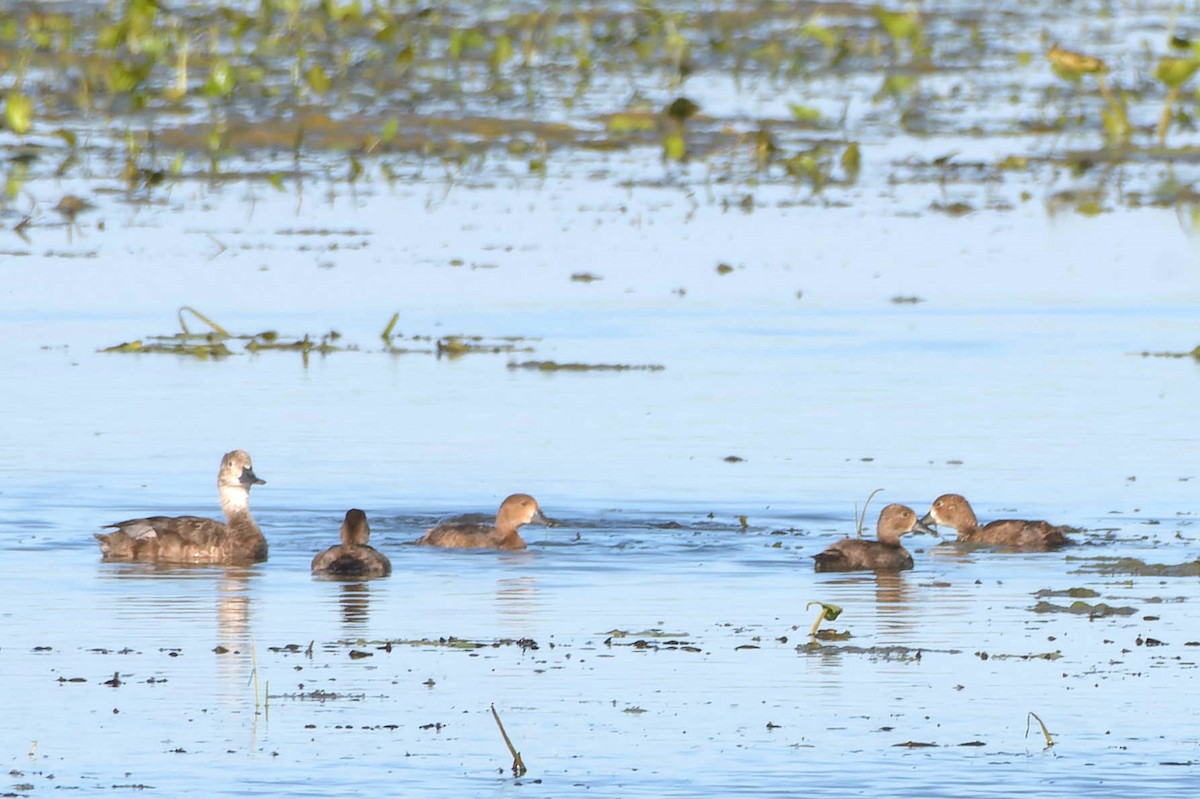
point(354, 557)
point(884, 555)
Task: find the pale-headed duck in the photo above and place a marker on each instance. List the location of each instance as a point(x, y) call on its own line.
point(195, 539)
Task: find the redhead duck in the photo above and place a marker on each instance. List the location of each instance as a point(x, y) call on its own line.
point(193, 539)
point(354, 557)
point(884, 555)
point(953, 511)
point(515, 511)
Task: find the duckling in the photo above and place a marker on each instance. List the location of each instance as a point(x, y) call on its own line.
point(194, 539)
point(354, 557)
point(515, 511)
point(884, 555)
point(952, 510)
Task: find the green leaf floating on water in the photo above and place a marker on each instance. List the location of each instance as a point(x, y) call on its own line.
point(804, 113)
point(220, 79)
point(317, 79)
point(674, 147)
point(899, 25)
point(18, 113)
point(1174, 72)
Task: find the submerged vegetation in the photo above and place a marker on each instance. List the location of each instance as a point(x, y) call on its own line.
point(283, 91)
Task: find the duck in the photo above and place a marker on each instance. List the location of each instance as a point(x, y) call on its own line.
point(195, 539)
point(354, 557)
point(884, 555)
point(515, 511)
point(953, 511)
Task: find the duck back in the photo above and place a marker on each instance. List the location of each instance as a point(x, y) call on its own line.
point(856, 554)
point(360, 560)
point(1036, 536)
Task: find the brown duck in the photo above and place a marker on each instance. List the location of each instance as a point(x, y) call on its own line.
point(195, 539)
point(354, 557)
point(883, 555)
point(953, 511)
point(515, 511)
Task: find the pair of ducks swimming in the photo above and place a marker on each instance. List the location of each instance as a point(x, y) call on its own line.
point(237, 540)
point(948, 510)
point(194, 539)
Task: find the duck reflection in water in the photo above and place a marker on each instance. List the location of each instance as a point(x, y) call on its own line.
point(355, 602)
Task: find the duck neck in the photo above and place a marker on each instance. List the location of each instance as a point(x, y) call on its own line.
point(235, 501)
point(889, 538)
point(507, 535)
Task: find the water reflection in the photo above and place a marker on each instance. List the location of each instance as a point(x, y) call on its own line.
point(233, 608)
point(517, 604)
point(180, 598)
point(178, 594)
point(354, 598)
point(897, 613)
point(895, 608)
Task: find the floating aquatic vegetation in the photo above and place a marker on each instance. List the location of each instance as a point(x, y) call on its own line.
point(1072, 66)
point(1099, 610)
point(555, 366)
point(1174, 73)
point(454, 346)
point(902, 27)
point(1195, 353)
point(18, 112)
point(1138, 567)
point(303, 345)
point(268, 85)
point(211, 343)
point(1074, 593)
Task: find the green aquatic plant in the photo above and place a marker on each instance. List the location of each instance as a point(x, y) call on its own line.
point(1072, 66)
point(1173, 73)
point(902, 27)
point(386, 335)
point(1045, 732)
point(216, 328)
point(454, 346)
point(860, 518)
point(828, 612)
point(813, 166)
point(18, 112)
point(555, 366)
point(851, 162)
point(518, 766)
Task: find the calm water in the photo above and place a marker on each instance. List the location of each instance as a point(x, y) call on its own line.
point(1017, 380)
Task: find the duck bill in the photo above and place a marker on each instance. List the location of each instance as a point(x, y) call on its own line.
point(250, 478)
point(922, 526)
point(541, 518)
